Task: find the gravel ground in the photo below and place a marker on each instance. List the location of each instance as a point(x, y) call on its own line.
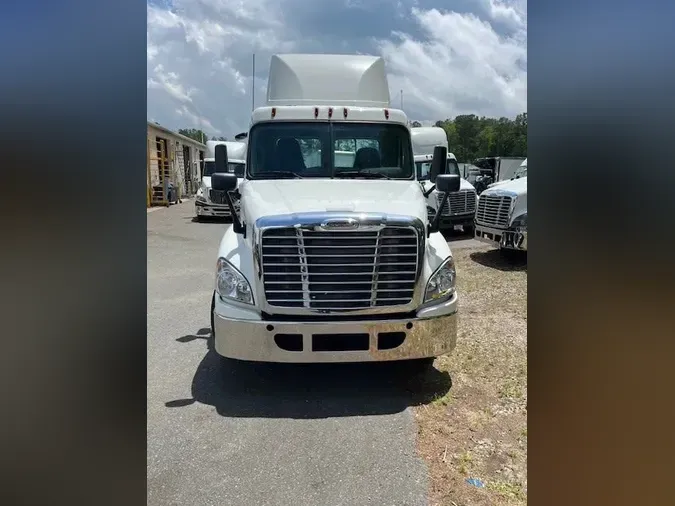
point(331, 434)
point(478, 429)
point(239, 434)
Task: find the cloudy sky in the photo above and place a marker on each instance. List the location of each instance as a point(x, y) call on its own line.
point(449, 57)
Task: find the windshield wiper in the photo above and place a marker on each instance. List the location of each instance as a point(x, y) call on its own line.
point(358, 173)
point(282, 174)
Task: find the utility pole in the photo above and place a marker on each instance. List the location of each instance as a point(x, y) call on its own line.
point(253, 85)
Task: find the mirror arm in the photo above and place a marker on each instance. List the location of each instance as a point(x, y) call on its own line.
point(428, 192)
point(433, 227)
point(237, 225)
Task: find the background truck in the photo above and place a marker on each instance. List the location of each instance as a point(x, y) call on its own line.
point(501, 217)
point(209, 202)
point(332, 258)
point(494, 169)
point(460, 208)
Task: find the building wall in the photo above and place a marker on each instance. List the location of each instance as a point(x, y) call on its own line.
point(175, 148)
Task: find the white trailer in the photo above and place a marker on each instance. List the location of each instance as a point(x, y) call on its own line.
point(328, 261)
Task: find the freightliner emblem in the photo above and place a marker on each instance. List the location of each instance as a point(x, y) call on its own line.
point(340, 224)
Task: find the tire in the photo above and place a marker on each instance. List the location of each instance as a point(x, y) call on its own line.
point(469, 229)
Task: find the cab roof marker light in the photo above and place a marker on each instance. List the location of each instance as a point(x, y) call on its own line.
point(344, 113)
point(274, 112)
point(316, 112)
point(386, 114)
point(330, 112)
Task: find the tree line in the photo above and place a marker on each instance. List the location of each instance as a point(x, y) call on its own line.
point(469, 136)
point(199, 135)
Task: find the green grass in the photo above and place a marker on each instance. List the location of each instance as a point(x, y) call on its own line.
point(442, 400)
point(511, 390)
point(506, 489)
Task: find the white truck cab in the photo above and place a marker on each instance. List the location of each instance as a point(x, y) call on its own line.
point(501, 217)
point(460, 208)
point(331, 256)
point(209, 202)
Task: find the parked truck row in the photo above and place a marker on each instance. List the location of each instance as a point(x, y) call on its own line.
point(335, 253)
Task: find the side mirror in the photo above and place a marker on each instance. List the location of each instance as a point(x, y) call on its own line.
point(448, 183)
point(223, 182)
point(221, 158)
point(438, 162)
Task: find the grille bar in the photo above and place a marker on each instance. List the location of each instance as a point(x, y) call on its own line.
point(461, 202)
point(493, 210)
point(339, 270)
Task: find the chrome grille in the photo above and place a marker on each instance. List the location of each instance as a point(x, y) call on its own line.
point(493, 210)
point(339, 270)
point(461, 202)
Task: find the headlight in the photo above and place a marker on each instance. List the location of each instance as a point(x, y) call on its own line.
point(231, 284)
point(520, 222)
point(442, 282)
point(200, 198)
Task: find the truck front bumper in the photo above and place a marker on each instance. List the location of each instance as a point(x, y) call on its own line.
point(430, 333)
point(207, 209)
point(450, 221)
point(499, 238)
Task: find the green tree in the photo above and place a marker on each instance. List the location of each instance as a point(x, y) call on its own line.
point(471, 137)
point(193, 133)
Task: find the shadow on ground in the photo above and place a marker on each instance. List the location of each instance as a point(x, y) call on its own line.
point(208, 219)
point(305, 391)
point(504, 260)
point(456, 235)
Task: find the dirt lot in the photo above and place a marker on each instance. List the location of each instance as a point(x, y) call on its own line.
point(478, 430)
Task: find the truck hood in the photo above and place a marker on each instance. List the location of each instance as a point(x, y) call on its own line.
point(288, 196)
point(514, 186)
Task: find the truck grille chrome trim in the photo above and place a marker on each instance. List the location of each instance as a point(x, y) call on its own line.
point(494, 210)
point(461, 202)
point(304, 268)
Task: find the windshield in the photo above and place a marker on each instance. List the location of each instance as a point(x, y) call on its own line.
point(236, 168)
point(423, 168)
point(323, 150)
point(521, 172)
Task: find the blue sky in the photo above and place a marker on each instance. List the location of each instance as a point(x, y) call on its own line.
point(450, 57)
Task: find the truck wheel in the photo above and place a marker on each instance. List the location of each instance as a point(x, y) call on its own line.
point(469, 229)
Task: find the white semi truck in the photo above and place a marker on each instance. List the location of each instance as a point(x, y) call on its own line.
point(461, 206)
point(326, 261)
point(209, 202)
point(501, 217)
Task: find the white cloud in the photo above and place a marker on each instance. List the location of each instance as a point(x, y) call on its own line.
point(447, 63)
point(513, 13)
point(461, 67)
point(169, 82)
